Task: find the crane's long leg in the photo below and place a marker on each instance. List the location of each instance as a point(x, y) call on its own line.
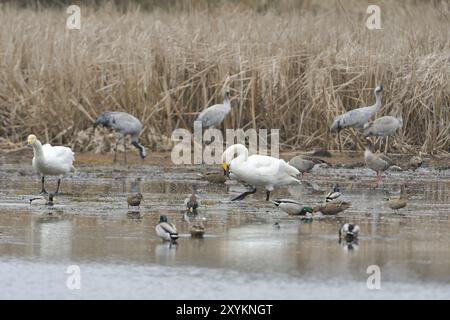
point(125, 148)
point(115, 150)
point(386, 146)
point(57, 188)
point(340, 141)
point(243, 195)
point(43, 191)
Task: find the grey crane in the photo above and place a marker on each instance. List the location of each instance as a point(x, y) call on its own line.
point(125, 124)
point(357, 118)
point(213, 116)
point(383, 127)
point(303, 164)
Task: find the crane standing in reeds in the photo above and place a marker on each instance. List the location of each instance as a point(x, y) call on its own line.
point(383, 127)
point(357, 118)
point(125, 124)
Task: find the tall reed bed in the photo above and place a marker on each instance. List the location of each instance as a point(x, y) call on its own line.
point(294, 66)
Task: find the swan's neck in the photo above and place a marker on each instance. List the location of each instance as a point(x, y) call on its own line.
point(242, 154)
point(37, 149)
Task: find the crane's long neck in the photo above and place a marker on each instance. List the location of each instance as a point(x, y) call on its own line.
point(226, 101)
point(376, 107)
point(140, 147)
point(37, 149)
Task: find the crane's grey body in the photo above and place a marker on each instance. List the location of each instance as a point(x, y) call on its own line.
point(357, 118)
point(303, 165)
point(383, 127)
point(213, 116)
point(124, 124)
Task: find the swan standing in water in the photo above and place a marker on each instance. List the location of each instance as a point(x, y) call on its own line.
point(51, 161)
point(257, 170)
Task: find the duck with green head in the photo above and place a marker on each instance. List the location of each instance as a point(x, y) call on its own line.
point(166, 230)
point(292, 207)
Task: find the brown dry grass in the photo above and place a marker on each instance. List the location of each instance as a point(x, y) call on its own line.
point(294, 68)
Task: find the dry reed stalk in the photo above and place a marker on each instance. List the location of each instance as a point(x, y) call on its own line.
point(293, 65)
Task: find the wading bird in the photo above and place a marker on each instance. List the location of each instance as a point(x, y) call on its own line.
point(332, 208)
point(124, 124)
point(378, 162)
point(134, 200)
point(383, 127)
point(165, 230)
point(399, 202)
point(191, 204)
point(197, 230)
point(51, 160)
point(292, 207)
point(415, 162)
point(213, 116)
point(349, 232)
point(357, 118)
point(304, 165)
point(333, 194)
point(43, 200)
point(257, 170)
point(214, 176)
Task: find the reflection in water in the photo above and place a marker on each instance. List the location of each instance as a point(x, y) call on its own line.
point(241, 244)
point(54, 236)
point(165, 253)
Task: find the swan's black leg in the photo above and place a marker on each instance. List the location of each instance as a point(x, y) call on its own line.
point(57, 188)
point(267, 195)
point(43, 191)
point(243, 195)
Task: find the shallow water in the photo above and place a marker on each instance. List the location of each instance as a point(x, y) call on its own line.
point(242, 254)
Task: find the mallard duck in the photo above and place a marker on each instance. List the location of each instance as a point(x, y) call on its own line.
point(134, 200)
point(165, 230)
point(399, 202)
point(349, 232)
point(304, 165)
point(51, 161)
point(257, 170)
point(292, 207)
point(48, 201)
point(332, 208)
point(197, 231)
point(333, 194)
point(214, 177)
point(191, 204)
point(378, 162)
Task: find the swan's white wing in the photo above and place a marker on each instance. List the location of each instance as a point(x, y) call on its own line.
point(263, 165)
point(58, 159)
point(264, 170)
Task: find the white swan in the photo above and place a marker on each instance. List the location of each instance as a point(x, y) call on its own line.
point(51, 161)
point(257, 170)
